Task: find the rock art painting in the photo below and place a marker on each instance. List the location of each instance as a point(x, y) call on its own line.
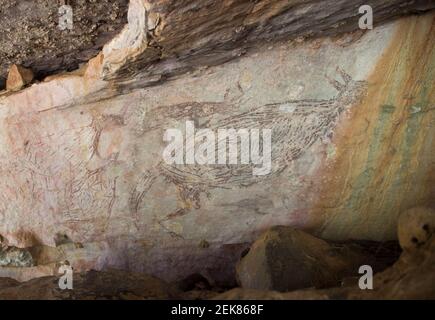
point(82, 154)
point(296, 125)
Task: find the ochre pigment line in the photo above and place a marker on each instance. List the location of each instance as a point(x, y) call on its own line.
point(384, 175)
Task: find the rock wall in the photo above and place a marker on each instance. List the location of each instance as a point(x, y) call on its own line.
point(385, 159)
point(352, 120)
point(31, 36)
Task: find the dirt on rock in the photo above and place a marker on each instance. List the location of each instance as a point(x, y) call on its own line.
point(30, 33)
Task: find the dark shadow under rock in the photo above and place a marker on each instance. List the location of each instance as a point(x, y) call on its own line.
point(92, 285)
point(285, 259)
point(411, 277)
point(31, 36)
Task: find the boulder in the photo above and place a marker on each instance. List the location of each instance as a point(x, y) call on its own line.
point(83, 157)
point(411, 277)
point(285, 259)
point(415, 227)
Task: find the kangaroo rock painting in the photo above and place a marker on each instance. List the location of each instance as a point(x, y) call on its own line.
point(295, 124)
point(83, 154)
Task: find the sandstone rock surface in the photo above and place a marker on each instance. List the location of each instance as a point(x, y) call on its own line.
point(171, 37)
point(39, 261)
point(81, 154)
point(411, 277)
point(92, 285)
point(18, 77)
point(13, 257)
point(31, 35)
point(415, 227)
point(181, 36)
point(286, 259)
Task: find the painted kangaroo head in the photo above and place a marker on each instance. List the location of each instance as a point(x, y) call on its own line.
point(350, 91)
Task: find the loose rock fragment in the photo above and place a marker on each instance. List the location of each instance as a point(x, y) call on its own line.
point(18, 77)
point(14, 257)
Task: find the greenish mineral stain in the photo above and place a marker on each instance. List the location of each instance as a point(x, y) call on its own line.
point(395, 195)
point(386, 108)
point(413, 127)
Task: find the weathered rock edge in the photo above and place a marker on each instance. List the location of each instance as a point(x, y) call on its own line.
point(167, 38)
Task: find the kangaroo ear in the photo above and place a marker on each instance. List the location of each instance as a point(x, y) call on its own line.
point(337, 85)
point(347, 78)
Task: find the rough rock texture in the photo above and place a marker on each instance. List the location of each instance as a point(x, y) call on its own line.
point(46, 260)
point(353, 144)
point(30, 35)
point(18, 77)
point(415, 227)
point(286, 259)
point(15, 257)
point(411, 277)
point(183, 35)
point(92, 285)
point(174, 36)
